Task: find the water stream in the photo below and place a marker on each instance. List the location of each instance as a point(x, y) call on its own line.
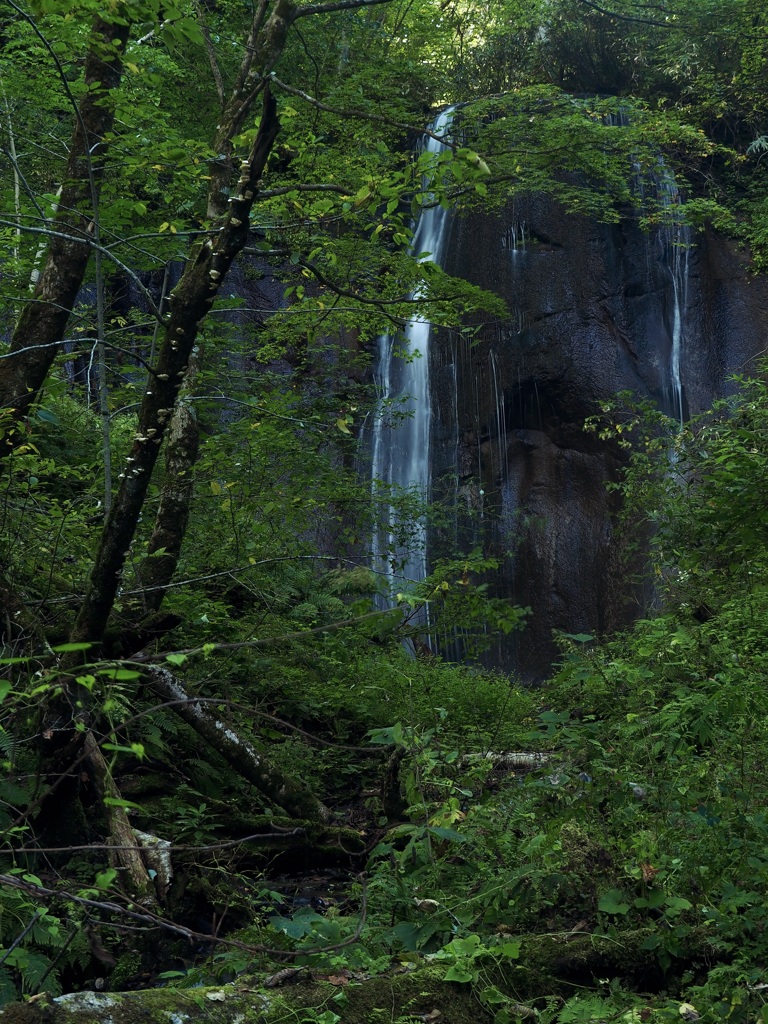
point(401, 428)
point(675, 239)
point(671, 244)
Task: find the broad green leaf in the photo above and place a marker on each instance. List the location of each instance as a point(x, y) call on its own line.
point(613, 902)
point(459, 974)
point(447, 833)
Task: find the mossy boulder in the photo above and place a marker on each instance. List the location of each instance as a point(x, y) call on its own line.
point(547, 965)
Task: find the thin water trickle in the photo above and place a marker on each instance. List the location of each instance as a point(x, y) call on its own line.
point(401, 430)
point(672, 242)
point(675, 240)
point(501, 418)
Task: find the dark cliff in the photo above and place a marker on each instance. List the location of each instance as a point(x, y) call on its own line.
point(592, 313)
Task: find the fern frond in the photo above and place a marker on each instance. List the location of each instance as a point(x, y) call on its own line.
point(8, 991)
point(79, 952)
point(359, 581)
point(586, 1010)
point(36, 969)
point(7, 743)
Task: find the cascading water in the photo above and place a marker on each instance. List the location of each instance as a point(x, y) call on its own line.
point(675, 239)
point(401, 430)
point(672, 244)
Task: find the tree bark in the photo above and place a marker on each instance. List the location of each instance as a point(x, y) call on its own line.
point(156, 570)
point(283, 790)
point(264, 45)
point(134, 877)
point(43, 321)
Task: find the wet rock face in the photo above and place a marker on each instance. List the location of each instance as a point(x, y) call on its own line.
point(592, 312)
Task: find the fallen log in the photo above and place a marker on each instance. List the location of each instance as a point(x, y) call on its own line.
point(286, 792)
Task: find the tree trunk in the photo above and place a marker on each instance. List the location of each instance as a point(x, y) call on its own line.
point(284, 791)
point(190, 302)
point(156, 570)
point(134, 878)
point(43, 321)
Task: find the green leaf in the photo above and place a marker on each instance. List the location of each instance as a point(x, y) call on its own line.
point(676, 904)
point(105, 878)
point(613, 902)
point(326, 1017)
point(511, 948)
point(48, 417)
point(176, 659)
point(467, 946)
point(302, 923)
point(491, 996)
point(383, 737)
point(460, 974)
point(67, 648)
point(653, 900)
point(447, 833)
point(119, 674)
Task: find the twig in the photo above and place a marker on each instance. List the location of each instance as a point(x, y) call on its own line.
point(156, 921)
point(20, 938)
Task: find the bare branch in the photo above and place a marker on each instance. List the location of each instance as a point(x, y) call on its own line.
point(271, 193)
point(65, 85)
point(92, 244)
point(262, 838)
point(362, 114)
point(156, 921)
point(209, 49)
point(250, 48)
point(302, 634)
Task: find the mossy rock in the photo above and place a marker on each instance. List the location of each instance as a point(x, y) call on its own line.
point(385, 998)
point(548, 965)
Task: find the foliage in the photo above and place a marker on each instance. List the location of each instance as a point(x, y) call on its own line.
point(37, 945)
point(632, 798)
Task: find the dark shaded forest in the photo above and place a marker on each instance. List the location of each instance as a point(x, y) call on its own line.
point(254, 767)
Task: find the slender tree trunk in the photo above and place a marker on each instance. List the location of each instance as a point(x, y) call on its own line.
point(135, 878)
point(182, 447)
point(190, 302)
point(42, 322)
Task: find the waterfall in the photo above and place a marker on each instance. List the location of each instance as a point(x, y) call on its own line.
point(514, 238)
point(672, 244)
point(675, 240)
point(401, 428)
point(500, 416)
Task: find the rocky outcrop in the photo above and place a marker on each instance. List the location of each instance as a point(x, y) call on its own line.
point(592, 311)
